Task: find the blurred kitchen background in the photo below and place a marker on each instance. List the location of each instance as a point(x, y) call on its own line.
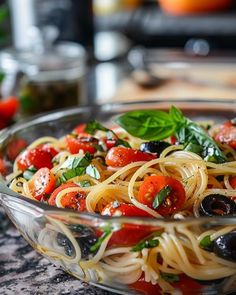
point(61, 53)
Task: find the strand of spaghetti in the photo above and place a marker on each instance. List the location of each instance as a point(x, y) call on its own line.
point(41, 140)
point(70, 236)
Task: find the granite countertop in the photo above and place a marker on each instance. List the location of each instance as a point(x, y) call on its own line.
point(24, 271)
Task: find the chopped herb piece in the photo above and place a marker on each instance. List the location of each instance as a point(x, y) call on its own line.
point(169, 277)
point(74, 162)
point(92, 171)
point(28, 173)
point(206, 243)
point(106, 233)
point(151, 242)
point(161, 196)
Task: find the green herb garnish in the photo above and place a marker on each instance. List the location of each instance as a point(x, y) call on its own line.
point(161, 196)
point(206, 243)
point(106, 233)
point(92, 171)
point(158, 125)
point(28, 173)
point(84, 183)
point(94, 126)
point(77, 166)
point(150, 242)
point(169, 277)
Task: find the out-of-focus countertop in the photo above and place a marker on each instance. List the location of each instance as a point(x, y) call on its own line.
point(200, 82)
point(23, 271)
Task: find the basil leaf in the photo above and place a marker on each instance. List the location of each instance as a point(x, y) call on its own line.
point(206, 243)
point(106, 233)
point(92, 171)
point(28, 173)
point(191, 132)
point(148, 124)
point(194, 148)
point(161, 196)
point(74, 162)
point(72, 173)
point(177, 115)
point(93, 126)
point(169, 277)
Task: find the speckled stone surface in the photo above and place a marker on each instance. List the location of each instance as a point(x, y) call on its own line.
point(24, 271)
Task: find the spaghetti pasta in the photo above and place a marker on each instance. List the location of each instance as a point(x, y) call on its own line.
point(171, 183)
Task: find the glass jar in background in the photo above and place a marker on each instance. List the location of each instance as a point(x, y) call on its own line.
point(47, 80)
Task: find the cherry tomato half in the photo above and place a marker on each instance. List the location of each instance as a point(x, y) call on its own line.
point(186, 285)
point(43, 182)
point(227, 134)
point(123, 209)
point(129, 234)
point(232, 181)
point(36, 157)
point(84, 143)
point(72, 200)
point(52, 199)
point(8, 108)
point(152, 185)
point(3, 168)
point(122, 156)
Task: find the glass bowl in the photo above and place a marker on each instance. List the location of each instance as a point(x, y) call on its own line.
point(65, 237)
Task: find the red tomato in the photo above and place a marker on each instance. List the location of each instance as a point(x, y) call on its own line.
point(46, 147)
point(232, 182)
point(16, 146)
point(110, 143)
point(146, 288)
point(8, 108)
point(186, 284)
point(227, 134)
point(152, 185)
point(72, 200)
point(80, 129)
point(122, 209)
point(3, 168)
point(76, 144)
point(43, 182)
point(75, 201)
point(51, 200)
point(129, 234)
point(35, 157)
point(122, 156)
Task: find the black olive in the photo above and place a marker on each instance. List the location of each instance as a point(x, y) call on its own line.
point(217, 205)
point(63, 241)
point(85, 244)
point(154, 146)
point(211, 282)
point(225, 246)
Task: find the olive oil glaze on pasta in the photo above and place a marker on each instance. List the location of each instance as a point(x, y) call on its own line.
point(154, 164)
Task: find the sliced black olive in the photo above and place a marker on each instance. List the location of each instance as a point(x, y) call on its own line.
point(63, 241)
point(154, 146)
point(85, 244)
point(217, 205)
point(225, 246)
point(211, 282)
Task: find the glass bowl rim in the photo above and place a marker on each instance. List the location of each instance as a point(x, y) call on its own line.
point(108, 107)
